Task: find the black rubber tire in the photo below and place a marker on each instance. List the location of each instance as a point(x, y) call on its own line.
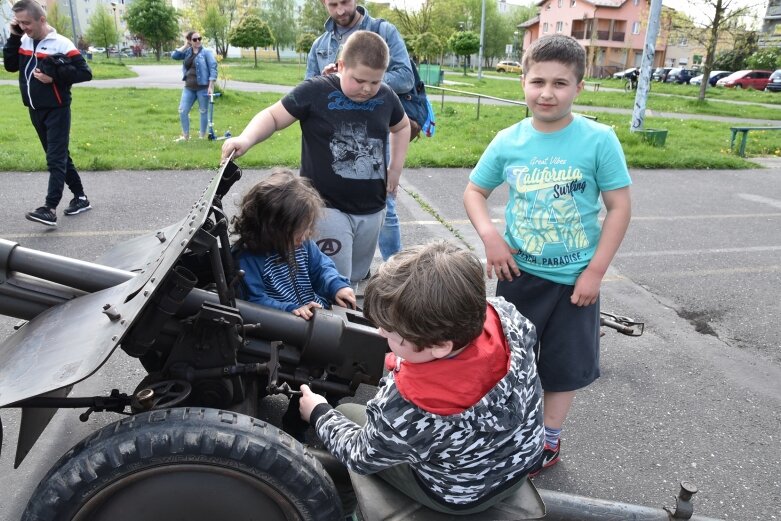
point(186, 463)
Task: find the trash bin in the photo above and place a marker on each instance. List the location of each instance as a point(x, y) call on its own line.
point(654, 136)
point(89, 55)
point(430, 74)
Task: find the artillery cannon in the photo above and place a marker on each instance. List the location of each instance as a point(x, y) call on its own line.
point(192, 445)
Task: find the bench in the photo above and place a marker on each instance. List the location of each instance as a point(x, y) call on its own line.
point(594, 85)
point(379, 501)
point(745, 131)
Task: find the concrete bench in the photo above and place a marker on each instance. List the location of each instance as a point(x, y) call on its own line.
point(379, 501)
point(744, 131)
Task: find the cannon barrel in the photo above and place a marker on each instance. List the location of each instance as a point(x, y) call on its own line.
point(32, 281)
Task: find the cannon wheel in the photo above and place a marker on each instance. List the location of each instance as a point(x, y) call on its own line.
point(186, 463)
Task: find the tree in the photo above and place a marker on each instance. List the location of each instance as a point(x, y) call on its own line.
point(427, 46)
point(155, 21)
point(280, 17)
point(102, 29)
point(59, 20)
point(221, 16)
point(769, 58)
point(721, 16)
point(313, 16)
point(252, 32)
point(304, 44)
point(464, 43)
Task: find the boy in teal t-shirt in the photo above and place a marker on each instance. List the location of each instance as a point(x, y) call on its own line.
point(553, 255)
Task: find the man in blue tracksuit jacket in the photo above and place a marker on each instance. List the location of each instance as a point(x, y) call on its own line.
point(48, 64)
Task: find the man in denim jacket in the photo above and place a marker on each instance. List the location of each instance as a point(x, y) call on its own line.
point(344, 19)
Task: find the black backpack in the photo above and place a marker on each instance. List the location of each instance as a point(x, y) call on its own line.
point(414, 102)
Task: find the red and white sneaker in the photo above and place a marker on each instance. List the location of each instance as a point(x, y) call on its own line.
point(550, 457)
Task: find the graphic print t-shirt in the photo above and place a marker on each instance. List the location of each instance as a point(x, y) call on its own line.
point(343, 142)
point(555, 180)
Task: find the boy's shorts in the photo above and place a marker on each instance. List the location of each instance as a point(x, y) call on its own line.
point(567, 335)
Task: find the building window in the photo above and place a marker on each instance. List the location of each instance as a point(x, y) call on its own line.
point(635, 2)
point(559, 26)
point(635, 27)
point(683, 41)
point(572, 3)
point(545, 27)
point(560, 1)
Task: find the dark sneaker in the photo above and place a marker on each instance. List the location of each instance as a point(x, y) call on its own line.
point(77, 205)
point(550, 457)
point(42, 215)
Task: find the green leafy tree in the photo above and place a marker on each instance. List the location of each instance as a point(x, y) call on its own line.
point(58, 19)
point(427, 46)
point(304, 44)
point(252, 32)
point(280, 17)
point(102, 30)
point(765, 59)
point(220, 17)
point(155, 21)
point(465, 44)
point(313, 16)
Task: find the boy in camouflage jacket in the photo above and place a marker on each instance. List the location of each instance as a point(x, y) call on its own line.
point(457, 424)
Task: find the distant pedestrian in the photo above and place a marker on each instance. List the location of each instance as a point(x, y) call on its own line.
point(550, 262)
point(199, 72)
point(48, 64)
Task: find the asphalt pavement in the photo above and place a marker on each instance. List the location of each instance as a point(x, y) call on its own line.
point(678, 403)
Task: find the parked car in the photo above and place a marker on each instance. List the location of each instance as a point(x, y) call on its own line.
point(746, 79)
point(712, 79)
point(774, 85)
point(680, 75)
point(97, 50)
point(620, 75)
point(660, 73)
point(509, 66)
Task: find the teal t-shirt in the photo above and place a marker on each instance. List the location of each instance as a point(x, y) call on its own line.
point(555, 181)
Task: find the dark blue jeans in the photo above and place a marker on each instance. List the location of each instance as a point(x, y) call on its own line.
point(53, 127)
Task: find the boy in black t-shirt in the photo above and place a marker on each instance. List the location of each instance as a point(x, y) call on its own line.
point(345, 119)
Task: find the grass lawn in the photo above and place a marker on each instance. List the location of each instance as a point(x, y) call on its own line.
point(135, 128)
point(101, 70)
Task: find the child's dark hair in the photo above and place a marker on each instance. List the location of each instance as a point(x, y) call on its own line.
point(274, 210)
point(557, 48)
point(365, 48)
point(429, 294)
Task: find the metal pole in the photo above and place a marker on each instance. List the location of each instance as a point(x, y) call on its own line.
point(482, 45)
point(73, 22)
point(116, 28)
point(644, 81)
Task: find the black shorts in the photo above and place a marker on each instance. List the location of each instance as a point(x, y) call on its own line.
point(567, 335)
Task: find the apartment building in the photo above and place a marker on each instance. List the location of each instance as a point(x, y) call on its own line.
point(611, 31)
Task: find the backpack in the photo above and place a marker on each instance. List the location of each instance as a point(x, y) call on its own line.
point(415, 103)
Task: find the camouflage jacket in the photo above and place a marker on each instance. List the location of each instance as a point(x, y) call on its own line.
point(460, 458)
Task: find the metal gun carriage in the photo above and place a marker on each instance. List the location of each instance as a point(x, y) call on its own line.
point(191, 444)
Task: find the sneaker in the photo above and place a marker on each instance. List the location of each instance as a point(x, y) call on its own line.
point(550, 457)
point(78, 205)
point(181, 138)
point(42, 215)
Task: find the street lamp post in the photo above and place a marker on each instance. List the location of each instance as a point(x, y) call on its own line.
point(116, 28)
point(515, 46)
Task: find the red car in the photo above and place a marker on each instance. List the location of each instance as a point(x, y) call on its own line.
point(748, 79)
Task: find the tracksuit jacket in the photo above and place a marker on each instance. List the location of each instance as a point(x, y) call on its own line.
point(66, 66)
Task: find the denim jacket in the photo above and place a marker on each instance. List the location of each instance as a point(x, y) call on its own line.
point(399, 74)
point(205, 65)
